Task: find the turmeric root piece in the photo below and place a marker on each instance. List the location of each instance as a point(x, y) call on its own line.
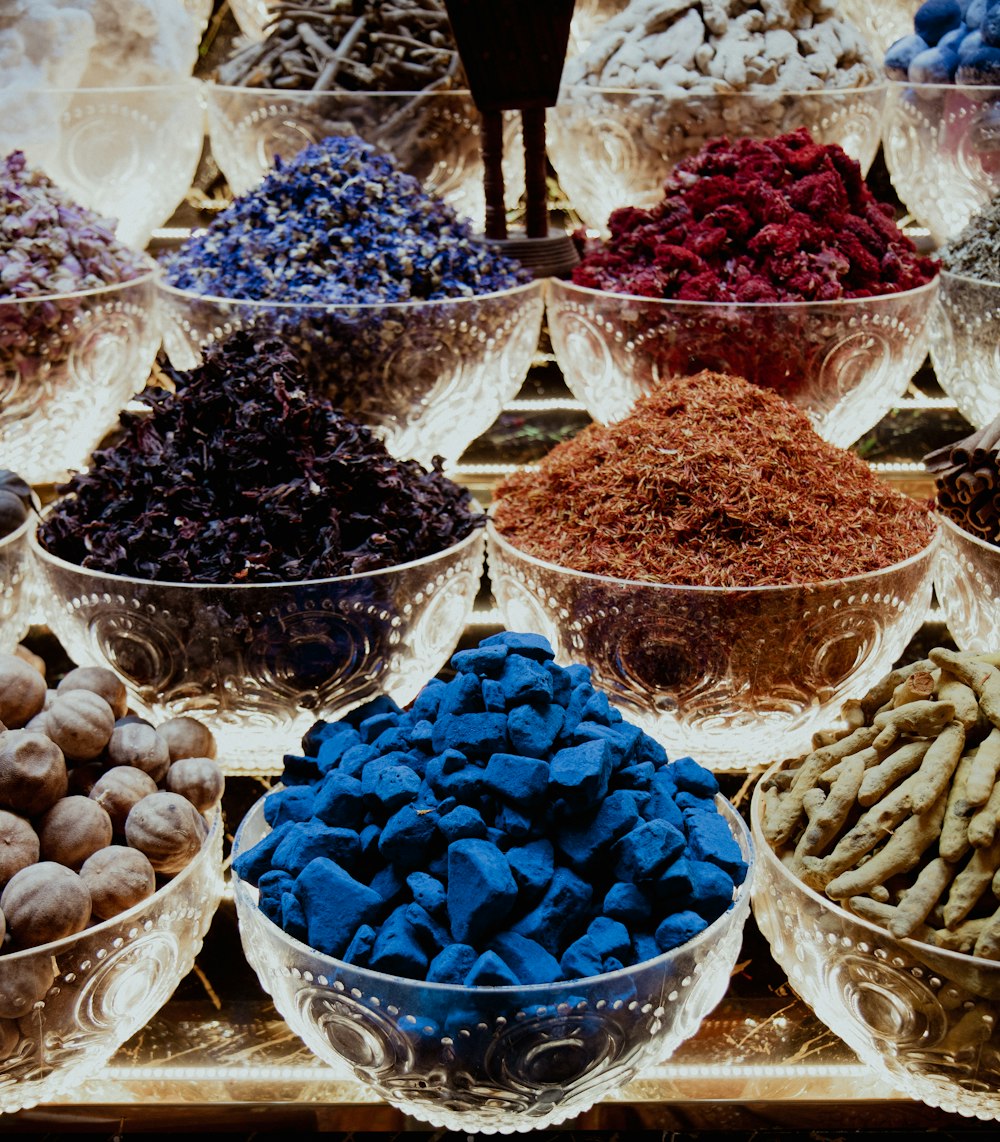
point(984, 775)
point(900, 853)
point(970, 884)
point(780, 824)
point(954, 842)
point(829, 817)
point(882, 691)
point(878, 780)
point(916, 719)
point(918, 687)
point(962, 697)
point(988, 944)
point(982, 676)
point(918, 901)
point(983, 825)
point(939, 764)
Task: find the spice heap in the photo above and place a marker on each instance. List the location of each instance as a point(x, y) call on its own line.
point(975, 251)
point(97, 810)
point(758, 220)
point(347, 45)
point(50, 244)
point(896, 817)
point(708, 46)
point(952, 41)
point(967, 481)
point(239, 476)
point(509, 828)
point(339, 224)
point(710, 481)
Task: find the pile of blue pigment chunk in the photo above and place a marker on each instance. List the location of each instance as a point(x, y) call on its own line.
point(509, 828)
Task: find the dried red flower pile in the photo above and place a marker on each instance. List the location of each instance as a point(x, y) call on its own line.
point(710, 481)
point(758, 220)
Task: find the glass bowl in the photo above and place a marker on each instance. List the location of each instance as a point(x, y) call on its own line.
point(942, 149)
point(106, 982)
point(613, 147)
point(882, 21)
point(727, 675)
point(492, 1059)
point(433, 135)
point(844, 363)
point(909, 1010)
point(967, 587)
point(428, 376)
point(129, 153)
point(965, 345)
point(15, 585)
point(259, 663)
point(68, 364)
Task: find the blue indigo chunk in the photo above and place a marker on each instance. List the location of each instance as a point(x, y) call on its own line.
point(481, 889)
point(335, 905)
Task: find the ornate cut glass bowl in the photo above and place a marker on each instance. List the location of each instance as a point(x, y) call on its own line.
point(129, 153)
point(85, 995)
point(433, 135)
point(15, 567)
point(68, 364)
point(259, 664)
point(428, 376)
point(967, 587)
point(965, 345)
point(613, 147)
point(882, 21)
point(492, 1059)
point(844, 363)
point(942, 148)
point(926, 1019)
point(728, 675)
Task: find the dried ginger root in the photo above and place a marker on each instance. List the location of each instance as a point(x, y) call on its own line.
point(896, 817)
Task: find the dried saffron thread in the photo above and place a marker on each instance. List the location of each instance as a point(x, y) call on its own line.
point(710, 481)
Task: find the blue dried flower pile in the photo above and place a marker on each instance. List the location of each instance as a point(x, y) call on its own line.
point(340, 224)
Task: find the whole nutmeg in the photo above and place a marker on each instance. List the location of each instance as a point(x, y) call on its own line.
point(22, 691)
point(118, 877)
point(30, 658)
point(101, 681)
point(32, 772)
point(80, 722)
point(187, 737)
point(140, 746)
point(199, 779)
point(117, 790)
point(44, 902)
point(167, 828)
point(73, 829)
point(24, 980)
point(19, 845)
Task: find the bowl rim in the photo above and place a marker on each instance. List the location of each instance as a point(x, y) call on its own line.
point(495, 536)
point(986, 88)
point(304, 95)
point(966, 536)
point(929, 287)
point(44, 556)
point(740, 903)
point(148, 275)
point(879, 85)
point(770, 858)
point(192, 81)
point(176, 292)
point(968, 278)
point(22, 529)
point(55, 947)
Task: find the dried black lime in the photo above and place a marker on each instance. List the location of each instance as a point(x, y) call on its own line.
point(239, 475)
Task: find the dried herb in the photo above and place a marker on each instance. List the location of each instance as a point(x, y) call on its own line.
point(756, 220)
point(975, 250)
point(239, 476)
point(709, 481)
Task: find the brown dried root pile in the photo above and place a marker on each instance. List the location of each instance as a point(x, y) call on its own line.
point(897, 818)
point(710, 481)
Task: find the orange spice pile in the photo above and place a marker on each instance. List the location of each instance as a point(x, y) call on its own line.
point(710, 481)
